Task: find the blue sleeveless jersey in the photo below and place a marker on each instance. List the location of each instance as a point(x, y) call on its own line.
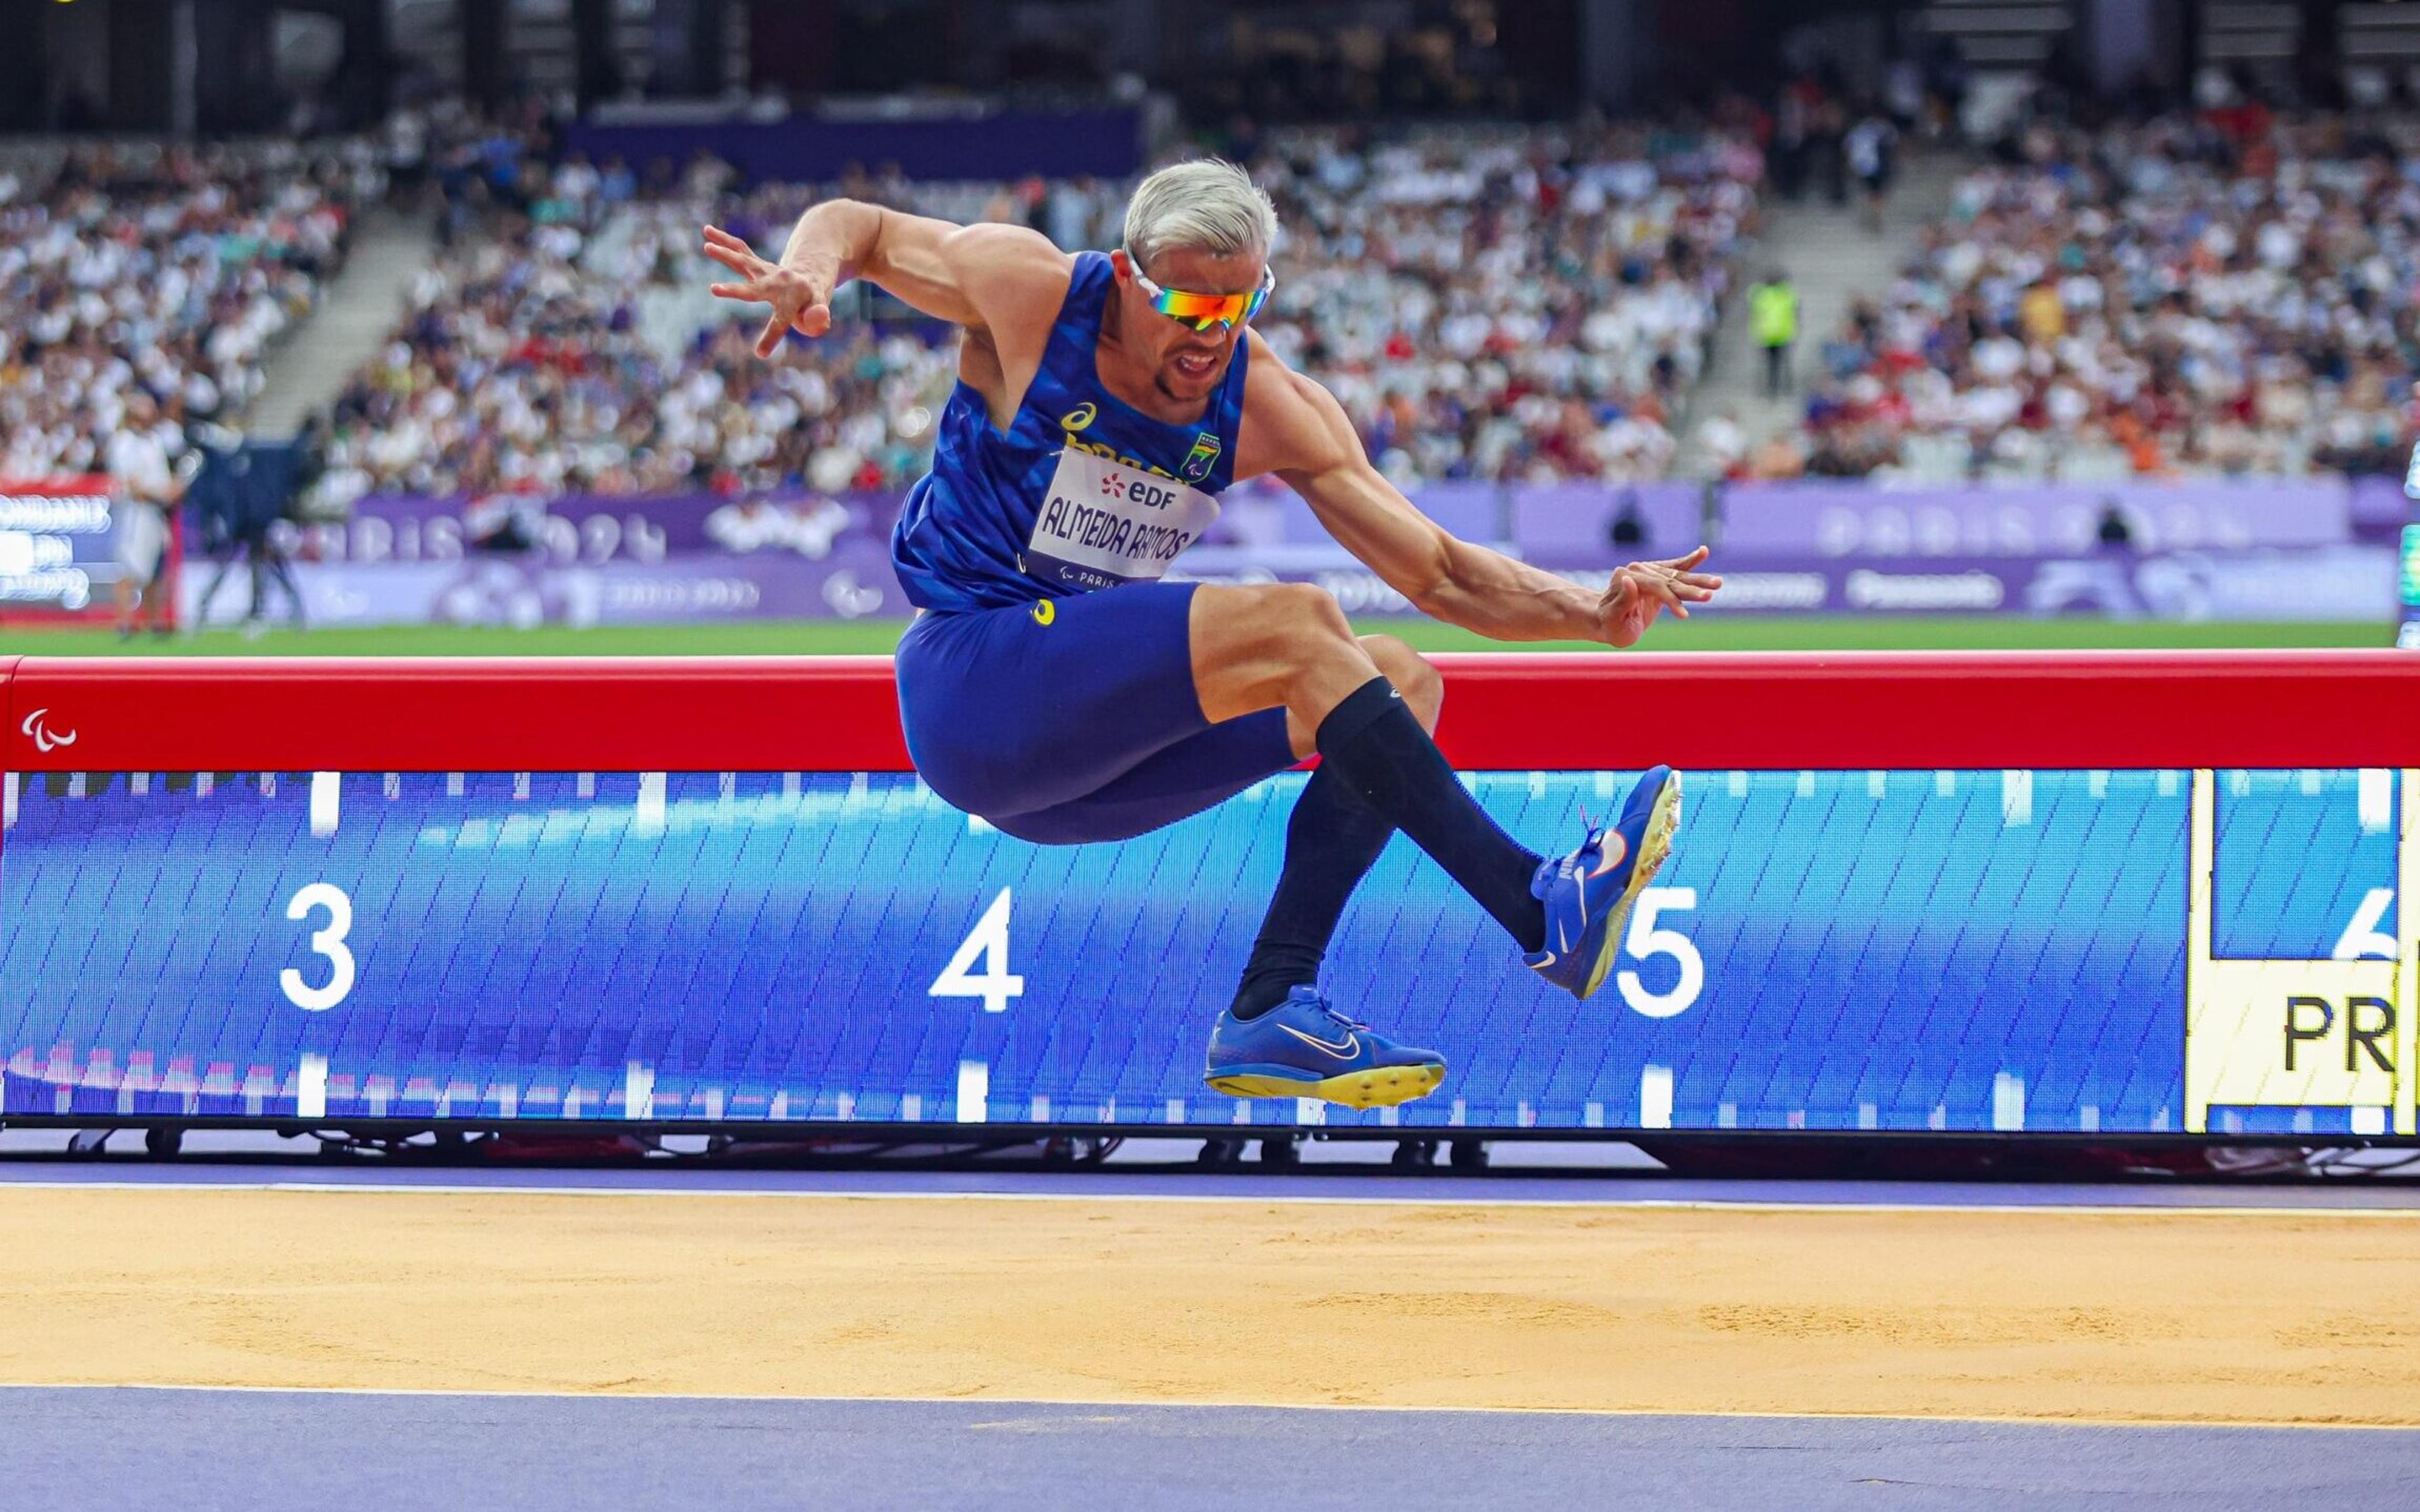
point(1082, 492)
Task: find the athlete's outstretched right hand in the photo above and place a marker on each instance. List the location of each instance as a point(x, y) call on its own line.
point(801, 298)
point(1643, 590)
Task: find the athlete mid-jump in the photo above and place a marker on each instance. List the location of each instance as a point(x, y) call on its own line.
point(1053, 685)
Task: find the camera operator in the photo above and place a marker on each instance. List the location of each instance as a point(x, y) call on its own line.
point(243, 489)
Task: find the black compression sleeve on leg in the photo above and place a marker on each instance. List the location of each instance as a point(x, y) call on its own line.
point(1381, 753)
point(1332, 840)
point(1361, 709)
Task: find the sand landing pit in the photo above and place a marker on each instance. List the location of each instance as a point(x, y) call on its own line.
point(2275, 1316)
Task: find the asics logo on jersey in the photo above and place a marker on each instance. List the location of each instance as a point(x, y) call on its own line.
point(1078, 418)
point(1345, 1049)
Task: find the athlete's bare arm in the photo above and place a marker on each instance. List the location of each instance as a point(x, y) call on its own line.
point(1004, 284)
point(1295, 429)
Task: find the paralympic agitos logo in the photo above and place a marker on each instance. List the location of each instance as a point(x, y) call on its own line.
point(45, 738)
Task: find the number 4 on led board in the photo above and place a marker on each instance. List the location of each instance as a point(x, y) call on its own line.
point(988, 942)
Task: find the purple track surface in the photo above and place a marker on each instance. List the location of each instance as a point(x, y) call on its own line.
point(66, 1449)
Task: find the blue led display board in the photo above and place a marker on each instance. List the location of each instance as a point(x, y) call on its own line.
point(2070, 951)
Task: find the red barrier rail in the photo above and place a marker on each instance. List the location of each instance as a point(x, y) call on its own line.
point(1511, 712)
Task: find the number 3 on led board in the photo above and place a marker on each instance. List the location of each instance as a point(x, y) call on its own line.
point(329, 942)
point(1644, 940)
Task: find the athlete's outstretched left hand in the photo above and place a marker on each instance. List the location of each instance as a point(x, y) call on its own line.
point(1643, 590)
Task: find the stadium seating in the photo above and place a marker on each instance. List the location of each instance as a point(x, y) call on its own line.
point(171, 270)
point(1509, 305)
point(2220, 294)
point(1505, 304)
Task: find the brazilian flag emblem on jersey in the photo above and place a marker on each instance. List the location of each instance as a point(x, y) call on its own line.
point(1199, 461)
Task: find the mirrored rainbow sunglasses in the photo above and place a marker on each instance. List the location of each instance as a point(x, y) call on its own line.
point(1203, 311)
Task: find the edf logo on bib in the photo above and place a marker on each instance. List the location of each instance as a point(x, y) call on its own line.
point(1137, 491)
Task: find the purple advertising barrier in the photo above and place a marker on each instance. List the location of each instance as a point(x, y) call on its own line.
point(2335, 582)
point(1265, 513)
point(2381, 509)
point(1842, 519)
point(1569, 522)
point(852, 581)
point(1575, 522)
point(855, 582)
point(1470, 511)
point(589, 529)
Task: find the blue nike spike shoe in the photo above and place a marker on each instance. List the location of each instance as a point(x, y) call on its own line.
point(1588, 894)
point(1304, 1048)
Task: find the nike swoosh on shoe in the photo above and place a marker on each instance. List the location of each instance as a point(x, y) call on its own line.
point(1615, 850)
point(1351, 1047)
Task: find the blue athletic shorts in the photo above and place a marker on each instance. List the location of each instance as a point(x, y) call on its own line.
point(1075, 720)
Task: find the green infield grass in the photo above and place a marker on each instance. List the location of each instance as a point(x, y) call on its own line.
point(1708, 632)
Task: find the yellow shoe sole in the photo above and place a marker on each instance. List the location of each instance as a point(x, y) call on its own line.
point(1654, 849)
point(1381, 1087)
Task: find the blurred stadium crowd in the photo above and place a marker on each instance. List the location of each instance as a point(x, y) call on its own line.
point(130, 270)
point(2226, 291)
point(1504, 304)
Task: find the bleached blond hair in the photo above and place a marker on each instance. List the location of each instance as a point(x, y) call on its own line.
point(1206, 203)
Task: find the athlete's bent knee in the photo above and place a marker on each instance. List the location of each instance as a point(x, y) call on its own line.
point(1301, 611)
point(1413, 676)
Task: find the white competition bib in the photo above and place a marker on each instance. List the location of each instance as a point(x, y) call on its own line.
point(1103, 523)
